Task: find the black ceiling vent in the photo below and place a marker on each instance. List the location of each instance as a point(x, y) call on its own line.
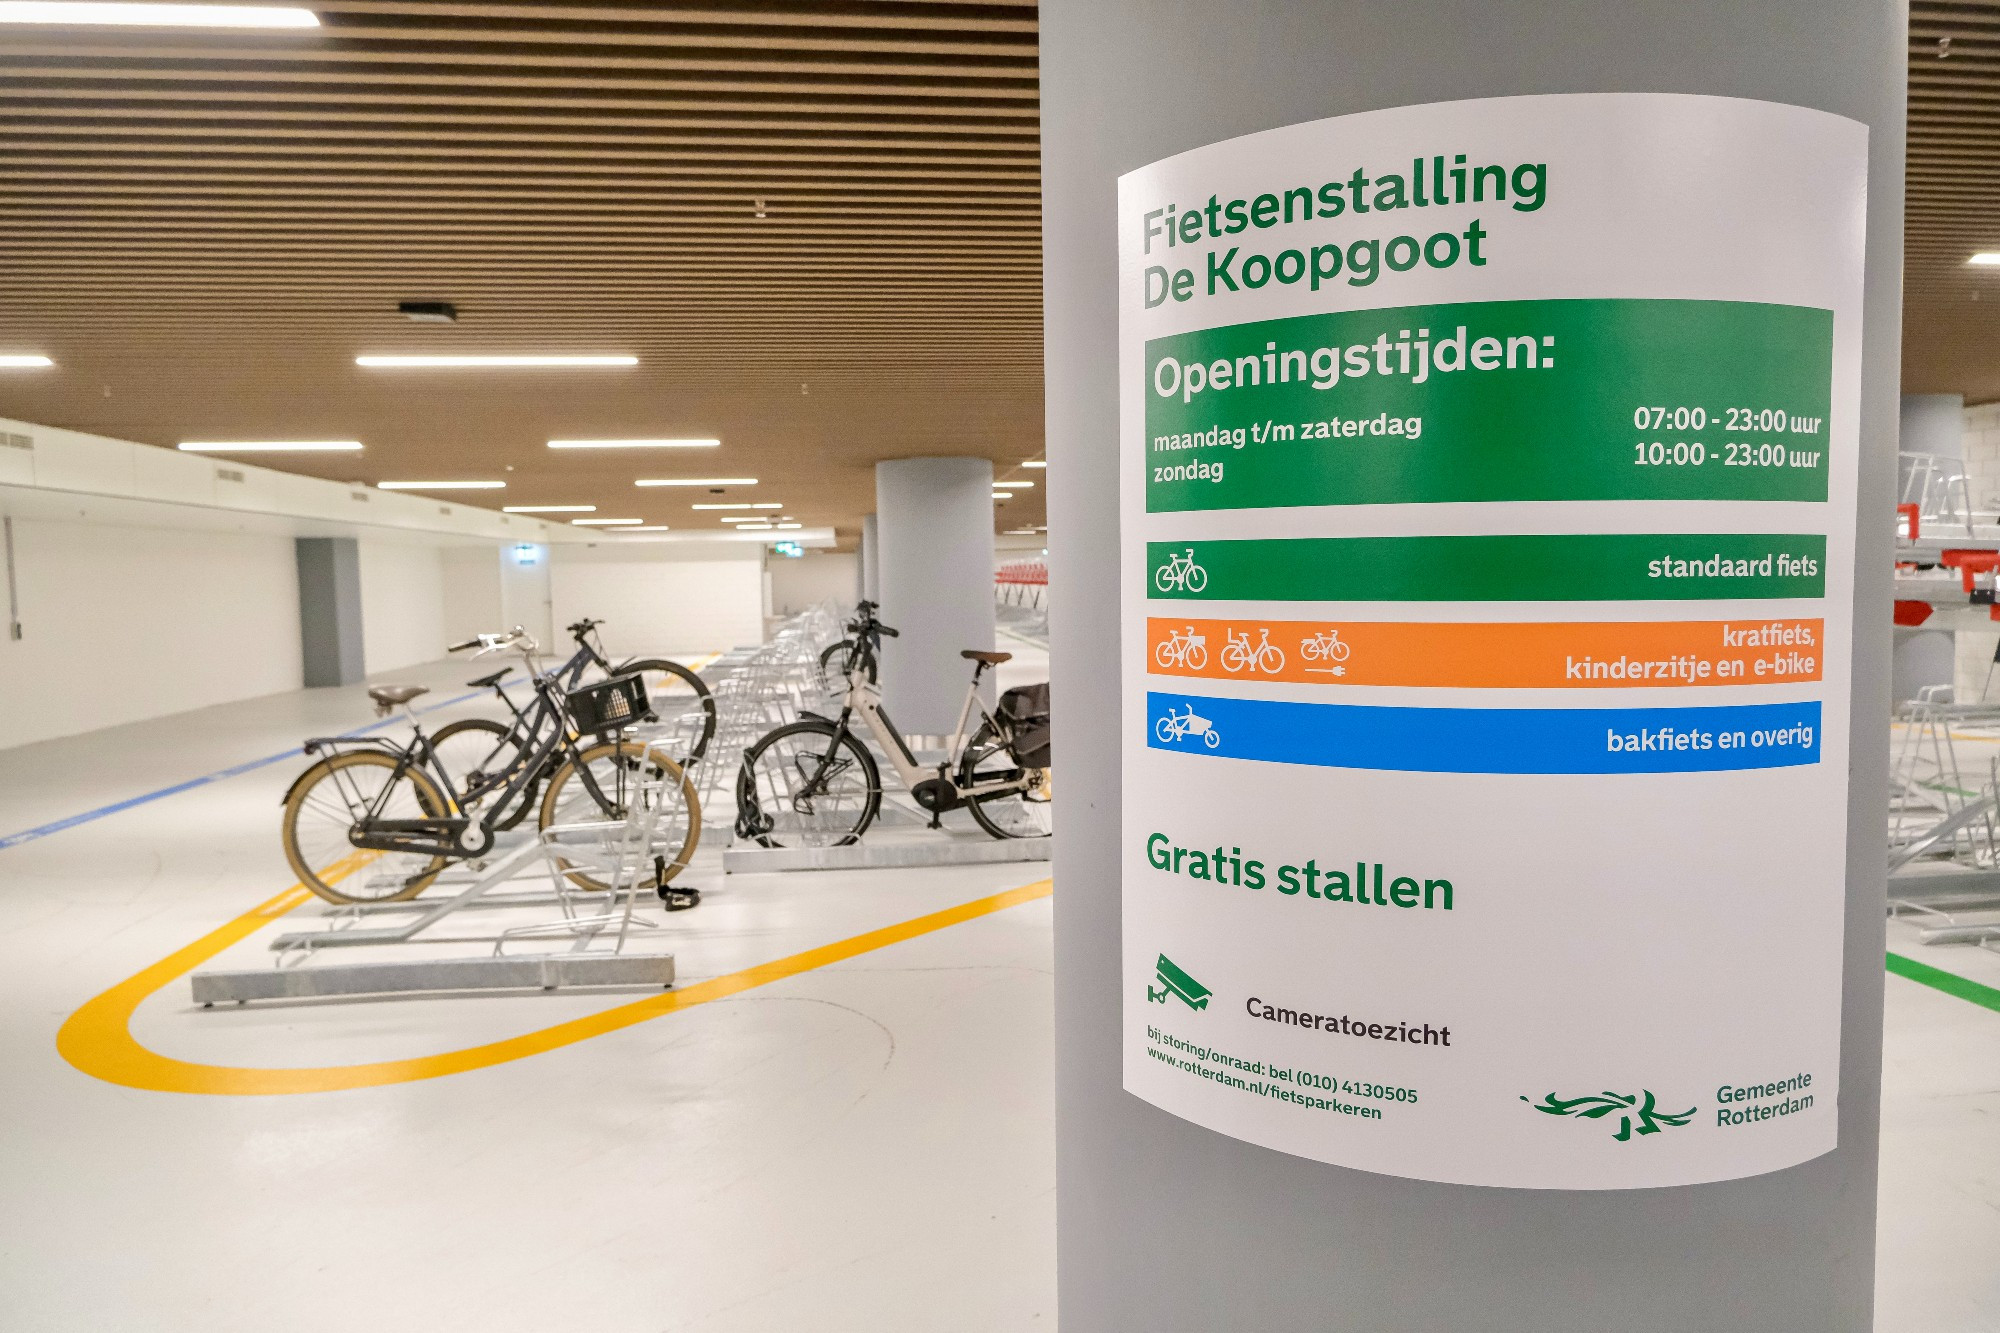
point(429, 312)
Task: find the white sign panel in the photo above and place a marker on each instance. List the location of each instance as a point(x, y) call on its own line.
point(1488, 497)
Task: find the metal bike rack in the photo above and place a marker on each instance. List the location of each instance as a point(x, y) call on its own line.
point(618, 853)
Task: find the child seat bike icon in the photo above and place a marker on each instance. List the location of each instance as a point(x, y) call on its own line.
point(1178, 726)
point(1266, 656)
point(1184, 649)
point(1181, 573)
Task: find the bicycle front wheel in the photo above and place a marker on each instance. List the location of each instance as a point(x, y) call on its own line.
point(325, 804)
point(621, 773)
point(835, 661)
point(807, 784)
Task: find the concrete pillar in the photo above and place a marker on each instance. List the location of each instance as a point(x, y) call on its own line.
point(1168, 1227)
point(871, 559)
point(935, 579)
point(330, 610)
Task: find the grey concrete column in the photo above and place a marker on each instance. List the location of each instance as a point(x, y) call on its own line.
point(330, 610)
point(935, 575)
point(871, 559)
point(1165, 1227)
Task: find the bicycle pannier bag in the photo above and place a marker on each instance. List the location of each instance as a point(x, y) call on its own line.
point(1027, 708)
point(610, 705)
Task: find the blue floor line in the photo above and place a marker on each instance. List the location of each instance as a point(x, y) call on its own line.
point(44, 830)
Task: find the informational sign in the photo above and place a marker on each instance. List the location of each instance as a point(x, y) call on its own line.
point(1488, 506)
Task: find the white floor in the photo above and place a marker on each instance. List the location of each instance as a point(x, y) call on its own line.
point(866, 1145)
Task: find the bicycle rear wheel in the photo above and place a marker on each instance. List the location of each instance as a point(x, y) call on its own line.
point(677, 692)
point(621, 771)
point(321, 809)
point(807, 784)
point(474, 752)
point(1018, 814)
point(835, 661)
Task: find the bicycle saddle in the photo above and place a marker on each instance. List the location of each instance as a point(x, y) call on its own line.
point(991, 659)
point(390, 695)
point(487, 682)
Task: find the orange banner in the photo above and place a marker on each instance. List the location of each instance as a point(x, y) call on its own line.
point(1623, 654)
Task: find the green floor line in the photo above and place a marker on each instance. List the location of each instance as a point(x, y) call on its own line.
point(1950, 983)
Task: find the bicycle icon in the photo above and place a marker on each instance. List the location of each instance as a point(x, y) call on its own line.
point(1325, 646)
point(1181, 573)
point(1178, 726)
point(1240, 656)
point(1184, 649)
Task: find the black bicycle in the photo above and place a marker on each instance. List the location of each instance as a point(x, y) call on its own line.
point(483, 750)
point(376, 820)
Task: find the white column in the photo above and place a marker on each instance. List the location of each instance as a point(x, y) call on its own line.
point(1164, 1225)
point(934, 519)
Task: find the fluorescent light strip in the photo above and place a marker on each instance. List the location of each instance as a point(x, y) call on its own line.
point(1013, 485)
point(650, 527)
point(1035, 462)
point(499, 362)
point(549, 509)
point(156, 16)
point(1985, 258)
point(759, 505)
point(783, 526)
point(269, 446)
point(635, 444)
point(440, 485)
point(696, 481)
point(15, 361)
point(606, 522)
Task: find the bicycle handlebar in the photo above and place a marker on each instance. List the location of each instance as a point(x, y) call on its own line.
point(884, 629)
point(516, 637)
point(583, 627)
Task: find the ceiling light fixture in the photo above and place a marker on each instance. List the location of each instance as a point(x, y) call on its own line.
point(1013, 485)
point(741, 506)
point(17, 361)
point(634, 444)
point(1985, 258)
point(783, 526)
point(487, 362)
point(269, 446)
point(1035, 462)
point(156, 16)
point(650, 527)
point(696, 481)
point(606, 522)
point(440, 485)
point(549, 509)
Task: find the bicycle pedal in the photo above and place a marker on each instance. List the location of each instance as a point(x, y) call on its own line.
point(680, 900)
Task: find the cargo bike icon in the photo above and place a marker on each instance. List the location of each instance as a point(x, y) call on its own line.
point(1174, 726)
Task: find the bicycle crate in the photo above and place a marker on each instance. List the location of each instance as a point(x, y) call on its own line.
point(610, 705)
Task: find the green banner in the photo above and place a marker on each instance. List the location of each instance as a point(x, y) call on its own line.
point(1505, 400)
point(1540, 568)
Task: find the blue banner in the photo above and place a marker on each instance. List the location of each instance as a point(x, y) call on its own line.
point(1488, 740)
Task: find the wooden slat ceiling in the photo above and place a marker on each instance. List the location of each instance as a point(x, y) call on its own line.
point(1951, 312)
point(816, 224)
point(204, 229)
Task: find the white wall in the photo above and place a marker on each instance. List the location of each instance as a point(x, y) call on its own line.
point(179, 619)
point(662, 598)
point(816, 576)
point(472, 597)
point(402, 605)
point(524, 594)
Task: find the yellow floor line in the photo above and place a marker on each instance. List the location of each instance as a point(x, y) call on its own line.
point(98, 1040)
